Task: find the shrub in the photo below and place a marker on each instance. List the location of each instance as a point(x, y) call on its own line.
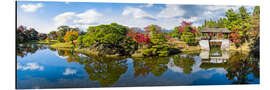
point(60, 39)
point(189, 38)
point(157, 50)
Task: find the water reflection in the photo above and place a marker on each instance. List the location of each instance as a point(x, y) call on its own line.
point(24, 49)
point(104, 70)
point(144, 66)
point(240, 66)
point(235, 67)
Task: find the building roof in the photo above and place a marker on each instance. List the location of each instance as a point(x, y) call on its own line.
point(222, 30)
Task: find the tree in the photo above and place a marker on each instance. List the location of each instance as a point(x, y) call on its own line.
point(52, 35)
point(108, 34)
point(60, 39)
point(20, 36)
point(141, 38)
point(189, 38)
point(71, 36)
point(158, 40)
point(256, 22)
point(175, 33)
point(61, 30)
point(108, 39)
point(25, 35)
point(239, 24)
point(42, 36)
point(187, 33)
point(31, 34)
point(151, 28)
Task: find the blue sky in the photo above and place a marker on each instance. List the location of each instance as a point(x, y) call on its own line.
point(47, 16)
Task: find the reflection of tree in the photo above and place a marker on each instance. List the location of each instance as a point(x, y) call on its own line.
point(185, 62)
point(106, 71)
point(143, 66)
point(52, 49)
point(23, 49)
point(61, 52)
point(240, 66)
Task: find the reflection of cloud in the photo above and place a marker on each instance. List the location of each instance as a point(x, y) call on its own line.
point(197, 72)
point(195, 67)
point(173, 67)
point(69, 71)
point(30, 66)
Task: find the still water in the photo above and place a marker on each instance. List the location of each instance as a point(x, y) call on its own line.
point(39, 66)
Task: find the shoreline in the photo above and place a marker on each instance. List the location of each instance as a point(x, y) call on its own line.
point(137, 54)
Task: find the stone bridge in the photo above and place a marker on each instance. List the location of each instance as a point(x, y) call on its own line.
point(225, 44)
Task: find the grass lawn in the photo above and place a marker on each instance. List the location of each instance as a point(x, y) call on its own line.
point(62, 45)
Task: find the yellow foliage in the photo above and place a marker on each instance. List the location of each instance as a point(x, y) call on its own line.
point(71, 35)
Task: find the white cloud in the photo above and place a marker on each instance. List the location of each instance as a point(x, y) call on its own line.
point(222, 7)
point(216, 11)
point(69, 71)
point(171, 11)
point(31, 7)
point(196, 24)
point(192, 19)
point(88, 17)
point(167, 18)
point(77, 19)
point(30, 66)
point(135, 12)
point(63, 18)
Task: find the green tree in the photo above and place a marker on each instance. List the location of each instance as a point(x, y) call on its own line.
point(158, 40)
point(42, 36)
point(52, 35)
point(108, 39)
point(108, 34)
point(175, 33)
point(189, 38)
point(240, 24)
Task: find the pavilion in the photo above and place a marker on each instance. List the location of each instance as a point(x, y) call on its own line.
point(219, 35)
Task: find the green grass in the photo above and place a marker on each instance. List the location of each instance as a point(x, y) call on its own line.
point(62, 45)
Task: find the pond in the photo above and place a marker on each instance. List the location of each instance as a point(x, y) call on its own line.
point(39, 66)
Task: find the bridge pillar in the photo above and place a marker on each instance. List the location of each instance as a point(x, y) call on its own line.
point(204, 44)
point(225, 44)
